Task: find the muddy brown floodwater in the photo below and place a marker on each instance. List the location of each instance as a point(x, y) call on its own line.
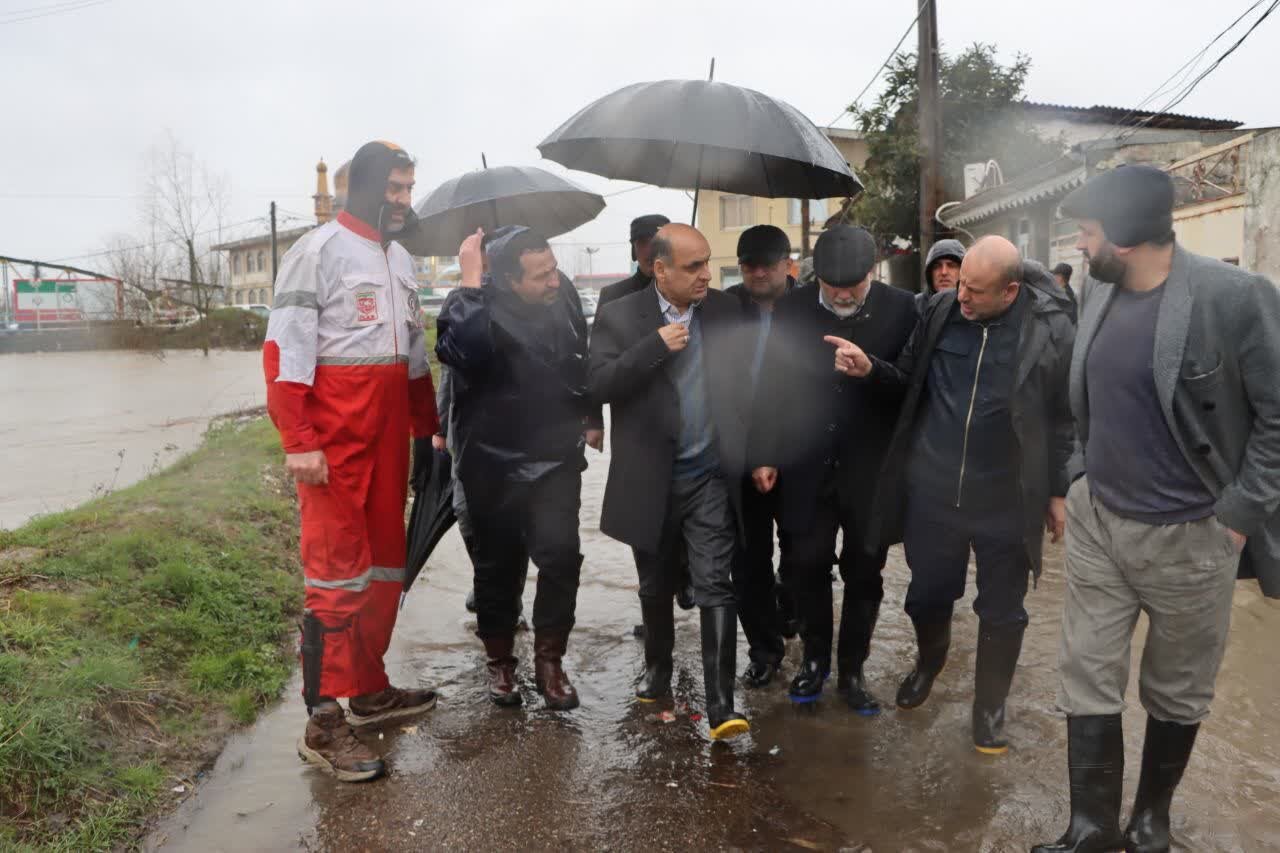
point(470, 776)
point(74, 425)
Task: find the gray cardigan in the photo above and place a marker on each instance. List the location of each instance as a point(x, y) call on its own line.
point(1217, 373)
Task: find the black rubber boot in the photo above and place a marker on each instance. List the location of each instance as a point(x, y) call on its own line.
point(998, 650)
point(857, 623)
point(659, 640)
point(933, 637)
point(1095, 768)
point(1165, 753)
point(719, 650)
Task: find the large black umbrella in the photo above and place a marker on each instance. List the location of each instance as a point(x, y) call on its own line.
point(503, 195)
point(432, 513)
point(700, 134)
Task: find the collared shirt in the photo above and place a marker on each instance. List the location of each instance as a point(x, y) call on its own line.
point(757, 362)
point(672, 314)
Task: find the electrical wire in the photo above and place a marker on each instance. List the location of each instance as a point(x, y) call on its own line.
point(883, 65)
point(1183, 72)
point(1190, 87)
point(54, 9)
point(257, 219)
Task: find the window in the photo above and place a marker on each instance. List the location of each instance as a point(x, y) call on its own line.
point(817, 211)
point(729, 276)
point(1022, 237)
point(736, 211)
point(261, 262)
point(235, 264)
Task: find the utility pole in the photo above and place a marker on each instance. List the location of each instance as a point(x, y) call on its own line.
point(8, 312)
point(929, 122)
point(804, 228)
point(274, 260)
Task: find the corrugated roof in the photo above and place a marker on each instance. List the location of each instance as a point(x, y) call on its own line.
point(1128, 118)
point(1051, 179)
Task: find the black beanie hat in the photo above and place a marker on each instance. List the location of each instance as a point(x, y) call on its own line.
point(1133, 203)
point(367, 179)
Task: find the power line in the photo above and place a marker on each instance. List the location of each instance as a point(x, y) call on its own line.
point(1190, 87)
point(883, 65)
point(52, 9)
point(152, 245)
point(1161, 89)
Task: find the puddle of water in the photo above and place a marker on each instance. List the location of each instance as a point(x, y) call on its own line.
point(472, 776)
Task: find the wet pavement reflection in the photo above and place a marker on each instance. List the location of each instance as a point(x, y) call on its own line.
point(608, 776)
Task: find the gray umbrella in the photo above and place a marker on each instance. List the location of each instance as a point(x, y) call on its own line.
point(700, 134)
point(503, 195)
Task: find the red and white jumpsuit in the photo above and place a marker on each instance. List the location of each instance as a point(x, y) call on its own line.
point(347, 373)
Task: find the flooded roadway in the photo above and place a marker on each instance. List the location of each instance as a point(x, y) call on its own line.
point(76, 424)
point(470, 776)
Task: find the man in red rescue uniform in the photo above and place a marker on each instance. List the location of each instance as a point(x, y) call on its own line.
point(347, 383)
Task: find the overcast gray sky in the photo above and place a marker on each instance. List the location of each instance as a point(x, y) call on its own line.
point(261, 90)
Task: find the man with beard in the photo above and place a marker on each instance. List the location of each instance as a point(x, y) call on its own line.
point(978, 462)
point(821, 437)
point(941, 270)
point(668, 360)
point(764, 258)
point(1177, 408)
point(642, 230)
point(347, 382)
point(517, 350)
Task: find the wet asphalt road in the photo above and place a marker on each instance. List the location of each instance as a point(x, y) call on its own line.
point(470, 776)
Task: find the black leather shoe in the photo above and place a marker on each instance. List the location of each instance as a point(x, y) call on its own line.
point(807, 685)
point(760, 673)
point(858, 697)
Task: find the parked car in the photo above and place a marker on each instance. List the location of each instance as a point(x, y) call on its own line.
point(263, 311)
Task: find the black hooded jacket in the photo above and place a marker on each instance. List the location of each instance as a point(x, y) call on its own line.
point(519, 375)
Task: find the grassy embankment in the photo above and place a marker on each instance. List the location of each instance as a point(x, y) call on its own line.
point(135, 632)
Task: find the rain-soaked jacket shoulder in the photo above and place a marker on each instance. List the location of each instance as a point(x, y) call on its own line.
point(519, 376)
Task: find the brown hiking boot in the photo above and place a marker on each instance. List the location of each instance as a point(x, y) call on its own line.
point(552, 683)
point(389, 704)
point(332, 745)
point(503, 689)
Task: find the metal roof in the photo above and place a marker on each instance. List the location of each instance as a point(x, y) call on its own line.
point(1050, 180)
point(1128, 118)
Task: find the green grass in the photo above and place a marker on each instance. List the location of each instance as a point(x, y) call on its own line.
point(146, 624)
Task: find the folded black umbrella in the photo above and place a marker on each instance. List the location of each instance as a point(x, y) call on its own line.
point(504, 195)
point(701, 134)
point(432, 513)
